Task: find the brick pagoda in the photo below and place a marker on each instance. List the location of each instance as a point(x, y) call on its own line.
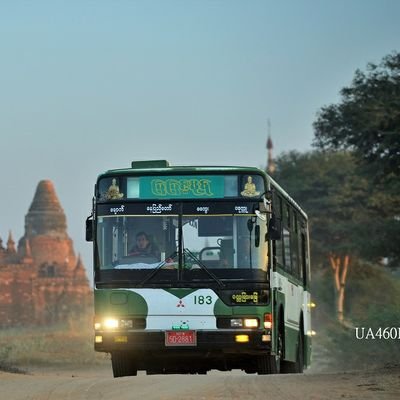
point(42, 281)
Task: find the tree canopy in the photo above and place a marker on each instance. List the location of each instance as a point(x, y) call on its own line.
point(367, 118)
point(347, 214)
point(321, 183)
point(366, 122)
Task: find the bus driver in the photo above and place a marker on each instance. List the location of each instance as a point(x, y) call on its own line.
point(143, 246)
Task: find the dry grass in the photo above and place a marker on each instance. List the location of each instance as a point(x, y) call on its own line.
point(71, 344)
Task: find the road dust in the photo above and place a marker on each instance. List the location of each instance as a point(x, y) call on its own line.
point(97, 383)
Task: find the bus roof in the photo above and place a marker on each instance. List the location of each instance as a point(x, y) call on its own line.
point(185, 168)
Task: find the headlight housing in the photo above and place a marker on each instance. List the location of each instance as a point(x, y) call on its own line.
point(243, 323)
point(125, 323)
point(110, 323)
point(251, 322)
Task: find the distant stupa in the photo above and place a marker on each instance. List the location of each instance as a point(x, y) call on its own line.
point(46, 228)
point(45, 216)
point(42, 281)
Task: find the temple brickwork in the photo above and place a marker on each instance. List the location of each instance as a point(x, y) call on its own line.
point(42, 281)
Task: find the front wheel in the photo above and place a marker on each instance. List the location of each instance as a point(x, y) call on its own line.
point(122, 365)
point(266, 364)
point(296, 367)
point(299, 365)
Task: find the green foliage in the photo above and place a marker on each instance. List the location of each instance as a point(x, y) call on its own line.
point(373, 296)
point(373, 299)
point(334, 196)
point(348, 212)
point(322, 289)
point(367, 119)
point(353, 353)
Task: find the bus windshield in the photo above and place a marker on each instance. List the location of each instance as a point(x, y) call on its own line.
point(181, 237)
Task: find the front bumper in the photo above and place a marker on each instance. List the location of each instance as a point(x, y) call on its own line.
point(207, 342)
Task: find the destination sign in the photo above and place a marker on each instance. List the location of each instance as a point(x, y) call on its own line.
point(175, 187)
point(182, 187)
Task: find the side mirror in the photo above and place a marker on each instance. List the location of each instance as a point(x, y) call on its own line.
point(89, 228)
point(274, 228)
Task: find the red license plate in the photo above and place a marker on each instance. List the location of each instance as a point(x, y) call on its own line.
point(180, 338)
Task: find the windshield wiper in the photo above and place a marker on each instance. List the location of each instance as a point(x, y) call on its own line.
point(154, 271)
point(202, 266)
point(173, 256)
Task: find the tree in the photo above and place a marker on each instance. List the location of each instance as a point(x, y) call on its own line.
point(367, 122)
point(336, 199)
point(367, 119)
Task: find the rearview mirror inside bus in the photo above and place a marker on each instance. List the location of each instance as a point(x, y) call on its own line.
point(274, 228)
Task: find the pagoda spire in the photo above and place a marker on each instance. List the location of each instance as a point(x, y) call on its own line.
point(79, 271)
point(24, 248)
point(270, 160)
point(11, 244)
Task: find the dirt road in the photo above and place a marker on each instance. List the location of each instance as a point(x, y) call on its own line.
point(81, 384)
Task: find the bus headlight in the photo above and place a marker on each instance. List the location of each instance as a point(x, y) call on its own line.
point(251, 322)
point(126, 323)
point(236, 323)
point(244, 322)
point(110, 323)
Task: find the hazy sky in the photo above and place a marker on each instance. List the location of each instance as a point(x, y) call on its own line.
point(87, 86)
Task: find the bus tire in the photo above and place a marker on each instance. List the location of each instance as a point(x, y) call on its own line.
point(296, 367)
point(280, 350)
point(122, 365)
point(271, 364)
point(299, 365)
point(266, 364)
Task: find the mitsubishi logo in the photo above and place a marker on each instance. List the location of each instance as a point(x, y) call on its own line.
point(180, 304)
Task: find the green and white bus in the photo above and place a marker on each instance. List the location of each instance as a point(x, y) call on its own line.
point(199, 268)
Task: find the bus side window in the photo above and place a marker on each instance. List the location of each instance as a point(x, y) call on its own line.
point(287, 245)
point(287, 217)
point(295, 246)
point(303, 258)
point(287, 250)
point(278, 247)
